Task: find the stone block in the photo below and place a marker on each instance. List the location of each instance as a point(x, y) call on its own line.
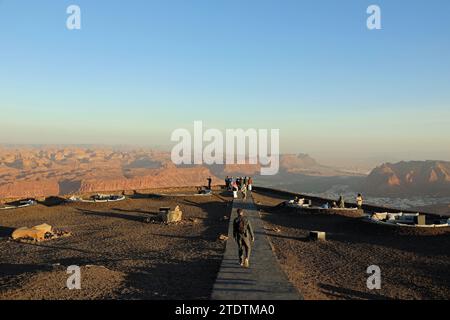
point(168, 216)
point(317, 235)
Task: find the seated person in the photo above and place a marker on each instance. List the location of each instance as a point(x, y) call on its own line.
point(298, 201)
point(325, 206)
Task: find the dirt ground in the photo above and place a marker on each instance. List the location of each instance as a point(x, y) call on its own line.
point(120, 256)
point(414, 263)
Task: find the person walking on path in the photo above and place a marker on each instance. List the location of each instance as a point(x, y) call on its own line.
point(359, 201)
point(244, 236)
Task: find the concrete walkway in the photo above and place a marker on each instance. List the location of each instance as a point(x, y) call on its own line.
point(264, 280)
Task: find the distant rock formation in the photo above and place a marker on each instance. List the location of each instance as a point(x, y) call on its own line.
point(289, 163)
point(31, 172)
point(295, 163)
point(28, 172)
point(411, 178)
point(241, 170)
point(158, 178)
point(29, 189)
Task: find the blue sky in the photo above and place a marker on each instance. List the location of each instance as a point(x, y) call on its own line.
point(137, 70)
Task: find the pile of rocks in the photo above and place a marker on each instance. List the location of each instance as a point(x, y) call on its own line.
point(38, 233)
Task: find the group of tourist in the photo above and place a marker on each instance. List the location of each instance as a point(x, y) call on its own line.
point(341, 203)
point(242, 184)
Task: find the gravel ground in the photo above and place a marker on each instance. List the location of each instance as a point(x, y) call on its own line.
point(414, 263)
point(120, 256)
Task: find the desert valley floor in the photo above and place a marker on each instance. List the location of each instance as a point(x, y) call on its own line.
point(122, 257)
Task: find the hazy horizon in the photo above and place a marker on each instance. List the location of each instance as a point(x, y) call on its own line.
point(134, 73)
point(366, 162)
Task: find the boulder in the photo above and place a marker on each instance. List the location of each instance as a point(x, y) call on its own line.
point(36, 233)
point(168, 216)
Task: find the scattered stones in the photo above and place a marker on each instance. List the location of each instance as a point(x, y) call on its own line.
point(38, 233)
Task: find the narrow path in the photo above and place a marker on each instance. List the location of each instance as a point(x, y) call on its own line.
point(264, 280)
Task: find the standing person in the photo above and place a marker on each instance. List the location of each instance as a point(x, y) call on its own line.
point(250, 182)
point(244, 236)
point(359, 200)
point(244, 192)
point(209, 183)
point(341, 202)
point(235, 189)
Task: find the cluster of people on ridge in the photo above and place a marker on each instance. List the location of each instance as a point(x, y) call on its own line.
point(341, 203)
point(242, 184)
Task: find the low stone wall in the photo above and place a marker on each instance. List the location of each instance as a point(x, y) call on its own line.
point(56, 200)
point(342, 212)
point(319, 201)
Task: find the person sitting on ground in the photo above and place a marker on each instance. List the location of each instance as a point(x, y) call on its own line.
point(297, 201)
point(359, 201)
point(244, 236)
point(325, 206)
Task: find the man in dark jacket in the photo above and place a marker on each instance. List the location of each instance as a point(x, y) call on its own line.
point(244, 236)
